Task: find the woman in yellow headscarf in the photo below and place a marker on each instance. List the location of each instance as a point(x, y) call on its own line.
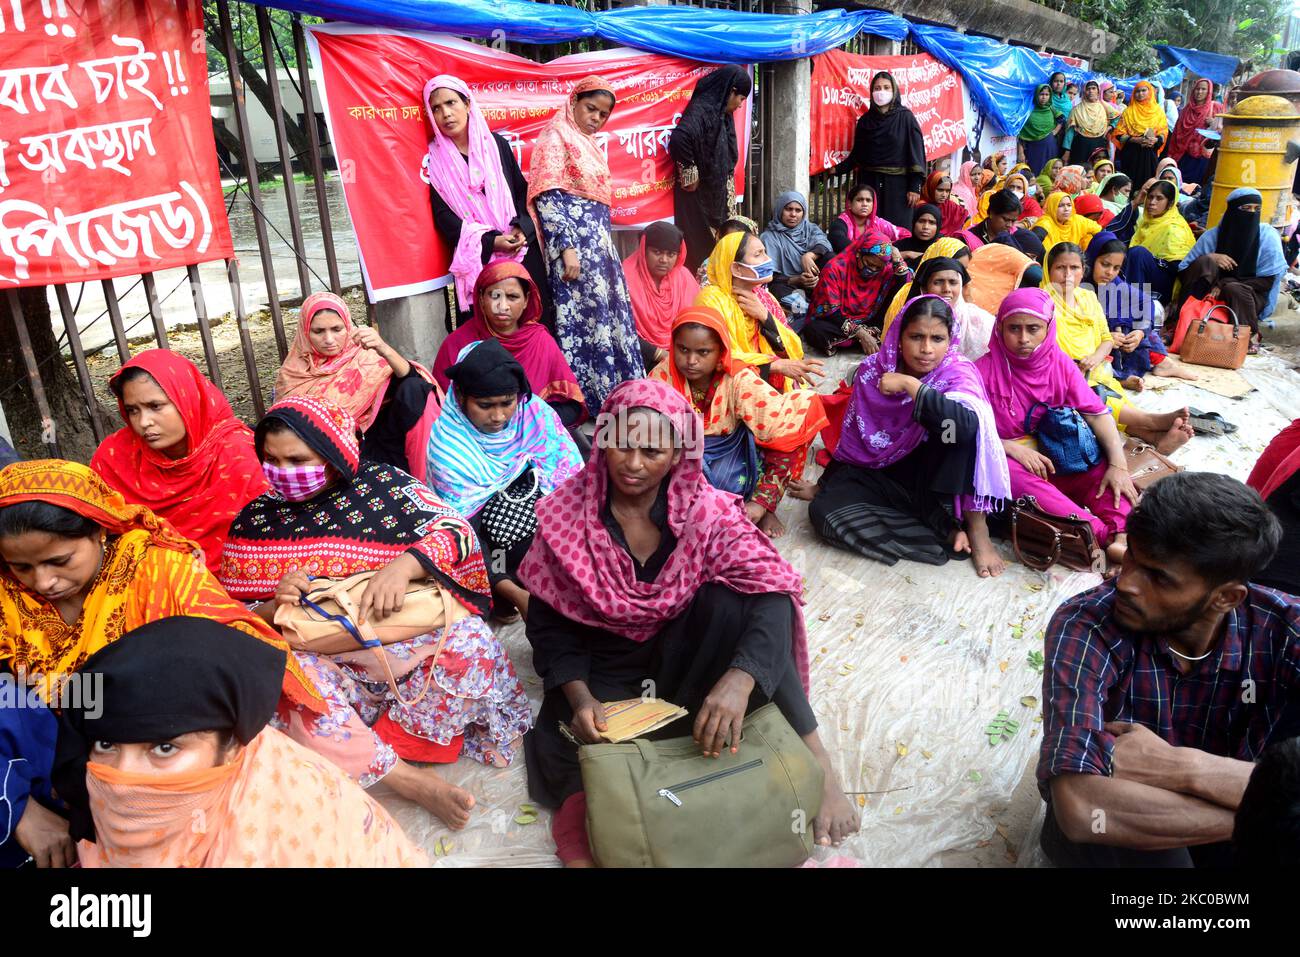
point(1084, 335)
point(1140, 134)
point(78, 568)
point(1160, 242)
point(739, 270)
point(1063, 225)
point(1090, 123)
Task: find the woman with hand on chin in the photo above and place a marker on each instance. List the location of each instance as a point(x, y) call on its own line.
point(352, 367)
point(739, 273)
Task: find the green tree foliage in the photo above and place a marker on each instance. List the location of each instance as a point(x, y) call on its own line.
point(1249, 29)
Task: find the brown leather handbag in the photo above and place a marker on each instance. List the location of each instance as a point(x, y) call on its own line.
point(1041, 540)
point(1221, 343)
point(324, 622)
point(1146, 466)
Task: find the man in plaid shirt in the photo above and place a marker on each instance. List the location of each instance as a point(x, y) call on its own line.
point(1163, 686)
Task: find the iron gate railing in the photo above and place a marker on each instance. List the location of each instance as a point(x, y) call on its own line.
point(242, 167)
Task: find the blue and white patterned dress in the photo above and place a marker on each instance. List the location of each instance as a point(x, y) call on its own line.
point(593, 315)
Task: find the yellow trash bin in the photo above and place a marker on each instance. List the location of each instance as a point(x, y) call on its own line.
point(1260, 146)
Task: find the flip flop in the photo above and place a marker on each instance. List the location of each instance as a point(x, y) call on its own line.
point(1209, 423)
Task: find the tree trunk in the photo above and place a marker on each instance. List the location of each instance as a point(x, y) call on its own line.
point(255, 83)
point(71, 426)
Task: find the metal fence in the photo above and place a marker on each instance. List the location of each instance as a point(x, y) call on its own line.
point(240, 165)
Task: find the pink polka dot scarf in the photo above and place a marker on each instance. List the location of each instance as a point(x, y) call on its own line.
point(575, 566)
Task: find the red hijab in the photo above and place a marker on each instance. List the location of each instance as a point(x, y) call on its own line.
point(1278, 463)
point(954, 214)
point(1185, 140)
point(531, 344)
point(202, 492)
point(654, 302)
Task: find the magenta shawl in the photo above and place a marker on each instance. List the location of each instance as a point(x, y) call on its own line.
point(576, 567)
point(879, 429)
point(531, 344)
point(476, 191)
point(1048, 375)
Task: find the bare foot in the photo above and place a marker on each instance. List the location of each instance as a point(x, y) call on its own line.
point(1134, 383)
point(838, 817)
point(498, 759)
point(754, 512)
point(1115, 553)
point(1164, 421)
point(803, 490)
point(1177, 436)
point(1171, 367)
point(580, 862)
point(988, 563)
point(450, 804)
point(770, 525)
point(959, 541)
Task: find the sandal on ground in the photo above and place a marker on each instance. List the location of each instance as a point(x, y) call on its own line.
point(1209, 423)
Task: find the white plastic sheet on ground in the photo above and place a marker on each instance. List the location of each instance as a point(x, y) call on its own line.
point(909, 665)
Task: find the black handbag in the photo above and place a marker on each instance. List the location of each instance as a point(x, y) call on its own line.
point(510, 516)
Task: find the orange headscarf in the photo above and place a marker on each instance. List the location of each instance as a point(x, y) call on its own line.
point(149, 571)
point(779, 421)
point(275, 805)
point(355, 379)
point(202, 492)
point(567, 158)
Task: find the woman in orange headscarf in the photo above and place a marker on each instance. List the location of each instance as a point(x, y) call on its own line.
point(740, 411)
point(333, 359)
point(78, 568)
point(182, 452)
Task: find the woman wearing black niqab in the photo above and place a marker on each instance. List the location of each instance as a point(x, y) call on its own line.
point(888, 152)
point(706, 151)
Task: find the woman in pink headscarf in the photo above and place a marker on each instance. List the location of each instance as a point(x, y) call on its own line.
point(1025, 375)
point(478, 192)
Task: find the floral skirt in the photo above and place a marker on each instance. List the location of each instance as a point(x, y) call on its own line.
point(473, 692)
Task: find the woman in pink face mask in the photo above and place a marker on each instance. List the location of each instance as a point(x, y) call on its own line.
point(329, 514)
point(888, 151)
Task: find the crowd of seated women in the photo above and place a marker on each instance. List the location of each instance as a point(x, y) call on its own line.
point(600, 447)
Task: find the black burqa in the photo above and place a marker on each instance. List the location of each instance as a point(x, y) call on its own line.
point(888, 155)
point(170, 677)
point(705, 138)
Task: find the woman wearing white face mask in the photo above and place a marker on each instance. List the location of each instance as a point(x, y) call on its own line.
point(739, 273)
point(888, 151)
point(330, 514)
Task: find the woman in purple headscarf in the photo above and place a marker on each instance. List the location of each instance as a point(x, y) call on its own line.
point(918, 464)
point(479, 195)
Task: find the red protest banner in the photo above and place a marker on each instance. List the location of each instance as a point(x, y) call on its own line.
point(841, 86)
point(107, 164)
point(372, 81)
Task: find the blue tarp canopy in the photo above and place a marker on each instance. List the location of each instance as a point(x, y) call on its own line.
point(712, 36)
point(1001, 77)
point(1166, 79)
point(1213, 66)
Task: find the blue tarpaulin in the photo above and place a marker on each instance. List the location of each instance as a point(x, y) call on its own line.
point(712, 36)
point(1166, 79)
point(1001, 77)
point(1213, 66)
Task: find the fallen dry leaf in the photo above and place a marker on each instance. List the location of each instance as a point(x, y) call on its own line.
point(902, 749)
point(903, 658)
point(862, 800)
point(825, 616)
point(1003, 665)
point(927, 754)
point(1029, 701)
